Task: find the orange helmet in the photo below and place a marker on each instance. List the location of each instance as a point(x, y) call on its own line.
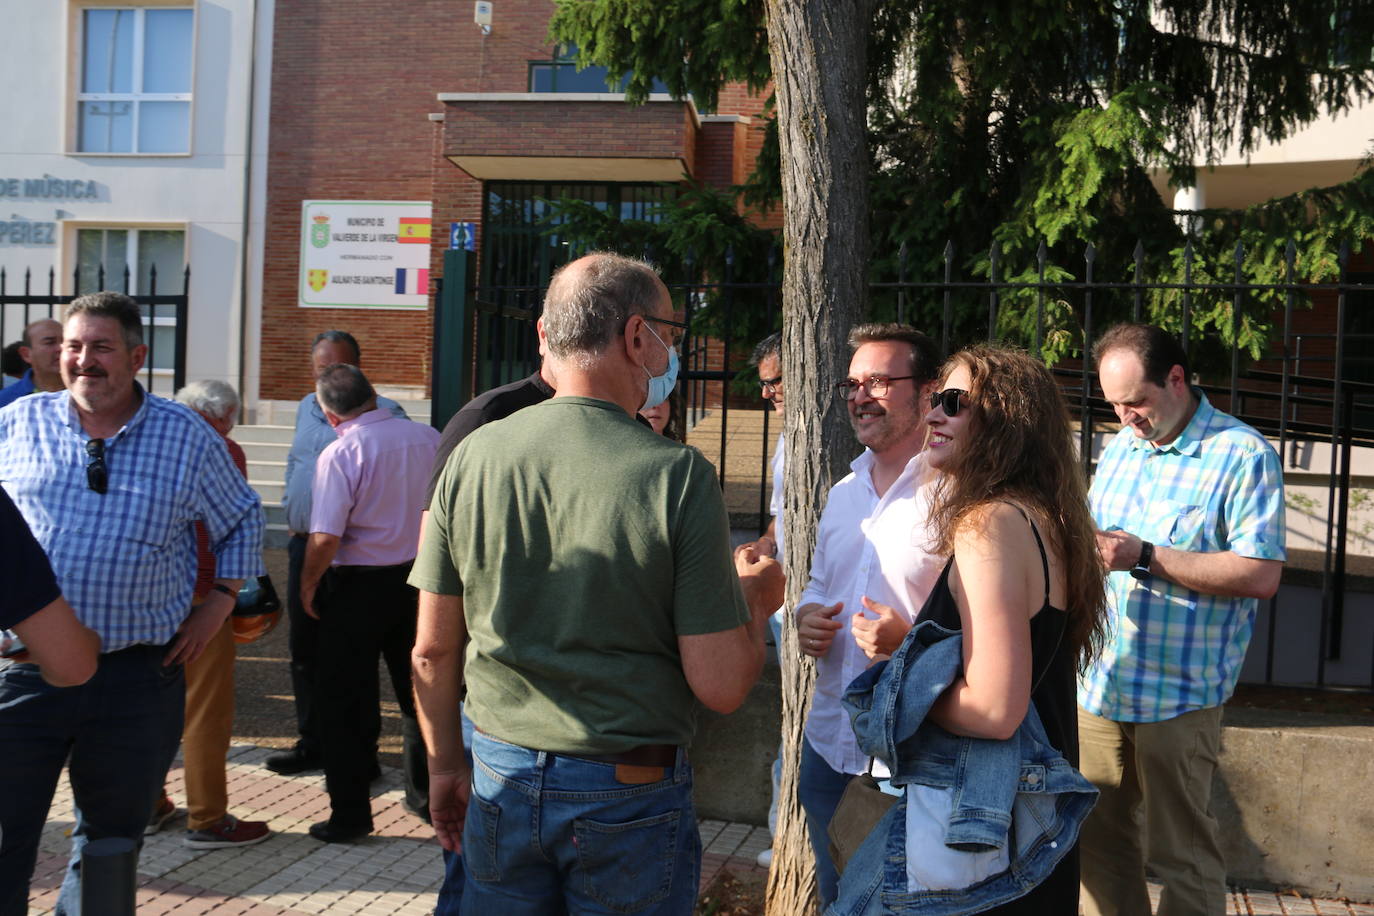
point(257, 611)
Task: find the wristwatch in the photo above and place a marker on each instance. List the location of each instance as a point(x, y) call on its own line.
point(1141, 570)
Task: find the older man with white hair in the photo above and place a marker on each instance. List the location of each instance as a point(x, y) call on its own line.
point(210, 678)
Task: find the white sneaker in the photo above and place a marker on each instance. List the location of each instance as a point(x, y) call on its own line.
point(765, 858)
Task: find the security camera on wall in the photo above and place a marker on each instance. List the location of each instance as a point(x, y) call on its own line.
point(481, 14)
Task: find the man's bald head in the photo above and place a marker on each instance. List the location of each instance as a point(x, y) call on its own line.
point(40, 346)
point(590, 299)
point(41, 327)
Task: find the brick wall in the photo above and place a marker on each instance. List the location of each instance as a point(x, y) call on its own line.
point(352, 85)
point(352, 88)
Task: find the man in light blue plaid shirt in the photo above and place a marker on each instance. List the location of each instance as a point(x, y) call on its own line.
point(112, 479)
point(1189, 503)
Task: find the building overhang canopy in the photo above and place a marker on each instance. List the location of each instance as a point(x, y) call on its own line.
point(496, 136)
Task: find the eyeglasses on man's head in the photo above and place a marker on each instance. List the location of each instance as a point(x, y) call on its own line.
point(679, 329)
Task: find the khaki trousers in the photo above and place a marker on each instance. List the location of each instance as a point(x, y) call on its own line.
point(1163, 771)
point(209, 727)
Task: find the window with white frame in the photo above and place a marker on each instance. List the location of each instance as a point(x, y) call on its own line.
point(139, 252)
point(135, 84)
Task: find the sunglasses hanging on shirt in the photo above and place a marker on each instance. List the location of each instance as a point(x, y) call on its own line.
point(97, 475)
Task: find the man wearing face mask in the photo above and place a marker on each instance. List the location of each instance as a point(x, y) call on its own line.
point(576, 574)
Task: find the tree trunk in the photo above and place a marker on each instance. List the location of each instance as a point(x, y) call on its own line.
point(818, 50)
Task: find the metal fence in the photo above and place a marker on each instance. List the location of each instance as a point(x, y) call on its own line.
point(164, 317)
point(1311, 389)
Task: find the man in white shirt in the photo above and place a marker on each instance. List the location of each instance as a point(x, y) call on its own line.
point(872, 568)
point(767, 359)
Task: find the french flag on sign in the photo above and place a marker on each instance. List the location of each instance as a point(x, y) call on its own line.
point(412, 281)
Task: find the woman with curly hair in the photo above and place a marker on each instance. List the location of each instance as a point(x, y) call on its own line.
point(1024, 587)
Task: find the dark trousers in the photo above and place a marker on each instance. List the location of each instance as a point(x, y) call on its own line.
point(303, 640)
point(118, 732)
point(365, 612)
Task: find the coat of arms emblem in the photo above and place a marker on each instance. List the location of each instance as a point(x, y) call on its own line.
point(317, 279)
point(319, 232)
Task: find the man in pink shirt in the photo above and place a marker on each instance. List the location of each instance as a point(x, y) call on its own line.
point(369, 491)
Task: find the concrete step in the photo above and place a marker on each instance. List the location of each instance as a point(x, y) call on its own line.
point(269, 490)
point(268, 450)
point(266, 469)
point(263, 434)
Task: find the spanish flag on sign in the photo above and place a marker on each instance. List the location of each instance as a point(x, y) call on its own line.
point(414, 229)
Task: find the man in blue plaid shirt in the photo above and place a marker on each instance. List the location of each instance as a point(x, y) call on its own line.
point(1189, 503)
point(112, 480)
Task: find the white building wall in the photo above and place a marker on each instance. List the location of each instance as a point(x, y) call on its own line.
point(1326, 152)
point(202, 192)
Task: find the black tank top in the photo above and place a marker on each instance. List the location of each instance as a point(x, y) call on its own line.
point(1055, 697)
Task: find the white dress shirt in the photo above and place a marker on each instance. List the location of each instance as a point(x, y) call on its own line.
point(880, 548)
point(775, 498)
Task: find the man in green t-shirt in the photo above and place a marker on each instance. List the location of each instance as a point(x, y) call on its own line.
point(575, 574)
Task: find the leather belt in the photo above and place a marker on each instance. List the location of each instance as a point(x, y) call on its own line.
point(646, 755)
point(360, 568)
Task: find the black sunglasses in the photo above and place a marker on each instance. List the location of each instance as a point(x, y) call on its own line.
point(97, 475)
point(950, 400)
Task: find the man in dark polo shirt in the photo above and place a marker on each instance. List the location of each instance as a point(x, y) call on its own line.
point(496, 404)
point(576, 573)
point(488, 407)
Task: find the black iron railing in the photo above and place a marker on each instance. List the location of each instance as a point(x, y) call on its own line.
point(164, 316)
point(1313, 387)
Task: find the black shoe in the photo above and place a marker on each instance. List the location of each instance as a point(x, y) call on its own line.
point(296, 760)
point(326, 832)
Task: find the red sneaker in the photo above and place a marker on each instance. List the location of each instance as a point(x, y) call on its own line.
point(163, 812)
point(229, 831)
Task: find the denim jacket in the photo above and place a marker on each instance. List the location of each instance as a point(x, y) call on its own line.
point(1019, 791)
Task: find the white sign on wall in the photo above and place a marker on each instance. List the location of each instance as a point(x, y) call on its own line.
point(365, 254)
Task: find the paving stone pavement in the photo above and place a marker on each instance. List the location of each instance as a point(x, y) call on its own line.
point(395, 871)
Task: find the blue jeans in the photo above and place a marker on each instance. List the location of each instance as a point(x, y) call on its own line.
point(120, 729)
point(819, 789)
point(547, 833)
point(775, 627)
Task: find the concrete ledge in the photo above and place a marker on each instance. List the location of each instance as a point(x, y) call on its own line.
point(1294, 791)
point(1295, 797)
point(732, 756)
